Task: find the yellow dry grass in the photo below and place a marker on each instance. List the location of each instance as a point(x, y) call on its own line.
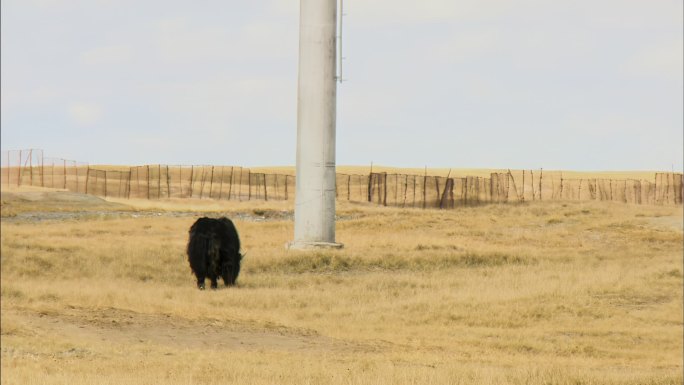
point(540, 293)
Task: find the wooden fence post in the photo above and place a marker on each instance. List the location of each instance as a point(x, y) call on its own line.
point(211, 181)
point(240, 186)
point(221, 183)
point(158, 181)
point(579, 191)
point(464, 190)
point(86, 182)
point(515, 188)
point(532, 184)
point(523, 186)
point(19, 175)
point(266, 192)
point(148, 181)
point(180, 181)
point(130, 175)
point(491, 187)
point(405, 189)
point(192, 172)
point(230, 187)
point(202, 180)
point(370, 187)
point(425, 188)
point(42, 170)
point(384, 190)
point(275, 185)
point(168, 182)
point(541, 175)
point(30, 162)
point(118, 195)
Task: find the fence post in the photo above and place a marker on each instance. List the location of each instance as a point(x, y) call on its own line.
point(19, 175)
point(425, 188)
point(86, 182)
point(158, 181)
point(523, 186)
point(370, 187)
point(202, 180)
point(579, 191)
point(515, 188)
point(148, 181)
point(230, 186)
point(118, 192)
point(30, 162)
point(211, 182)
point(130, 174)
point(405, 189)
point(192, 173)
point(541, 175)
point(168, 183)
point(384, 195)
point(464, 190)
point(221, 184)
point(265, 192)
point(249, 183)
point(180, 181)
point(240, 185)
point(532, 184)
point(42, 170)
point(275, 182)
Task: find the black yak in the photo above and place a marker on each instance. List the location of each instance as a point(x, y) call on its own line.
point(214, 250)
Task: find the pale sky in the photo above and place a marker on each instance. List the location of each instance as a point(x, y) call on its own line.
point(564, 84)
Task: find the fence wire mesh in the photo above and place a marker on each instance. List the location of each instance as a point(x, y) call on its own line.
point(31, 168)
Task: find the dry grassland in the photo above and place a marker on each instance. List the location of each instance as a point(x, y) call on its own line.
point(540, 293)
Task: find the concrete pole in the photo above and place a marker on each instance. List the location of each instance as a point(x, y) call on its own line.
point(315, 182)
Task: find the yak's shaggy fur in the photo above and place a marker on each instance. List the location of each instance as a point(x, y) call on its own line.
point(214, 250)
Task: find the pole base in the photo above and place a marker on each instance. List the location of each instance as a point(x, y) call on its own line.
point(301, 245)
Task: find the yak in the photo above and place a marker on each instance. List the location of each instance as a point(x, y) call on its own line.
point(214, 250)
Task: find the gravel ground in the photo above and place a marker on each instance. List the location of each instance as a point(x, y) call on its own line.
point(39, 216)
point(39, 206)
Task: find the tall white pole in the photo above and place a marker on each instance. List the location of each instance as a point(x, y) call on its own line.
point(315, 182)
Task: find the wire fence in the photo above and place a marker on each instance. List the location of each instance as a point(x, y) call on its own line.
point(30, 168)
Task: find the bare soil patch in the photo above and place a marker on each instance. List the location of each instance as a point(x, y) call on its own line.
point(121, 327)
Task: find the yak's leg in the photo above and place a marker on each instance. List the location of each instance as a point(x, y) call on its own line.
point(225, 274)
point(200, 281)
point(227, 278)
point(213, 278)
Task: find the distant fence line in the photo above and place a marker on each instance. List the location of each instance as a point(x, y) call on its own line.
point(29, 167)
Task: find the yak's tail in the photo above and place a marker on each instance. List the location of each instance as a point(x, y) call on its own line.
point(204, 253)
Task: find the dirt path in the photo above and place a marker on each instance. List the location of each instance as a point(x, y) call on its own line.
point(125, 328)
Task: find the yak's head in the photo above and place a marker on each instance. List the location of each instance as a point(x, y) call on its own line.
point(231, 269)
